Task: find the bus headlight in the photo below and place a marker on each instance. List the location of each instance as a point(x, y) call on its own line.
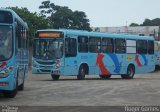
point(57, 64)
point(34, 64)
point(5, 72)
point(3, 75)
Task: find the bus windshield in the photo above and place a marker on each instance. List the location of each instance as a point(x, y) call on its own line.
point(5, 42)
point(48, 49)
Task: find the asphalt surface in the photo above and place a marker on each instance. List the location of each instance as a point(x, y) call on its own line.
point(41, 90)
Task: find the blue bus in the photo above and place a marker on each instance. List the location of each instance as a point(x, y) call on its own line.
point(43, 57)
point(81, 53)
point(157, 53)
point(13, 52)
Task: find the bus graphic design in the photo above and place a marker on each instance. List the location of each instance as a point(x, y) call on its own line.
point(116, 63)
point(139, 63)
point(3, 64)
point(101, 65)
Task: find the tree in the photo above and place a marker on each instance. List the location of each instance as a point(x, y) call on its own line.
point(34, 21)
point(63, 17)
point(134, 24)
point(148, 22)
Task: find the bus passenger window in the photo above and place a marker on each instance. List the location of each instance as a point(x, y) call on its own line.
point(82, 44)
point(95, 44)
point(70, 47)
point(120, 46)
point(131, 46)
point(107, 45)
point(142, 47)
point(150, 47)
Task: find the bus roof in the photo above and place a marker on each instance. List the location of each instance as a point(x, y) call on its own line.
point(99, 34)
point(15, 16)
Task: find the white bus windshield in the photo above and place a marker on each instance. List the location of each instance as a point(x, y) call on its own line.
point(48, 49)
point(5, 42)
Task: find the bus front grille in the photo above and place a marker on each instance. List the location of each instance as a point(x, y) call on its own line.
point(45, 62)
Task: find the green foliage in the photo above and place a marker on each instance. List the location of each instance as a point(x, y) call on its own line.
point(154, 22)
point(63, 17)
point(134, 24)
point(34, 21)
point(148, 22)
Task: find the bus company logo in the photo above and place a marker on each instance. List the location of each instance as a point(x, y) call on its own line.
point(129, 58)
point(9, 109)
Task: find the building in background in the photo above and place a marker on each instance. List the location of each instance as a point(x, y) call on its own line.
point(136, 30)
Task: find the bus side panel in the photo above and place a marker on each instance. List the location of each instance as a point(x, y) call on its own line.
point(151, 63)
point(145, 63)
point(90, 60)
point(70, 66)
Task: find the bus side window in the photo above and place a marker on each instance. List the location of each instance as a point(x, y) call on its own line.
point(120, 46)
point(95, 44)
point(82, 43)
point(107, 45)
point(150, 47)
point(70, 47)
point(142, 47)
point(18, 35)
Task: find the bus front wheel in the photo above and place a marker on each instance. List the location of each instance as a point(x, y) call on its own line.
point(55, 77)
point(82, 73)
point(130, 73)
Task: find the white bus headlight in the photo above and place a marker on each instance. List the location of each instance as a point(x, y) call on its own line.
point(6, 72)
point(34, 64)
point(57, 64)
point(2, 75)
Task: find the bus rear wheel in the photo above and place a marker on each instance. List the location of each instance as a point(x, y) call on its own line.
point(82, 73)
point(105, 76)
point(130, 73)
point(55, 77)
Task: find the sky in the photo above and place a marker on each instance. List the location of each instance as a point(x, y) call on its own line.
point(101, 13)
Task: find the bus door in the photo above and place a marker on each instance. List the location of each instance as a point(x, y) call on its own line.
point(142, 57)
point(70, 60)
point(151, 56)
point(107, 48)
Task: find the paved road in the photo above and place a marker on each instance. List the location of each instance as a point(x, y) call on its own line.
point(40, 90)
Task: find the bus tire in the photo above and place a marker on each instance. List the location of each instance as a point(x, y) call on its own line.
point(130, 73)
point(21, 87)
point(105, 76)
point(13, 93)
point(82, 73)
point(55, 77)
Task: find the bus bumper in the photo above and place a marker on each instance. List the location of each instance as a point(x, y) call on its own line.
point(7, 83)
point(40, 70)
